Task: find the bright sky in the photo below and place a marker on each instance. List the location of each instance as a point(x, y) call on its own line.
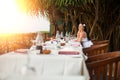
point(12, 20)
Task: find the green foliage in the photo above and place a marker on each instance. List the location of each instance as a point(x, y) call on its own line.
point(35, 7)
point(71, 2)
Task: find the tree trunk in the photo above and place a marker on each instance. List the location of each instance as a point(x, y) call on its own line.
point(73, 17)
point(96, 17)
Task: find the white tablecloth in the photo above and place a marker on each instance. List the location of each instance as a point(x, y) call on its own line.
point(36, 77)
point(44, 65)
point(71, 46)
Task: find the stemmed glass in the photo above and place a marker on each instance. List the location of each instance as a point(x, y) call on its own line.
point(33, 47)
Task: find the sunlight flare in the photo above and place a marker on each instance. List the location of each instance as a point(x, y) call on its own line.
point(13, 20)
point(8, 15)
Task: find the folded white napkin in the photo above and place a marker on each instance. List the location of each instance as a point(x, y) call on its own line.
point(68, 50)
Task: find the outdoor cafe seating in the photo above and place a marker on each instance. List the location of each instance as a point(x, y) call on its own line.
point(104, 66)
point(96, 49)
point(64, 62)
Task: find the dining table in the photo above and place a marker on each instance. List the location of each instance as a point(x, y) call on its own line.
point(29, 64)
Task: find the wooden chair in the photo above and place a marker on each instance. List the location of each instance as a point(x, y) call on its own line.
point(100, 42)
point(96, 49)
point(104, 66)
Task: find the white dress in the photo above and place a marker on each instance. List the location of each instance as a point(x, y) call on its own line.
point(86, 43)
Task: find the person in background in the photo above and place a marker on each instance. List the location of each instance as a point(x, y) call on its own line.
point(85, 29)
point(81, 34)
point(82, 37)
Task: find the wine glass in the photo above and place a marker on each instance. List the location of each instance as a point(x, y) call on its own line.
point(33, 43)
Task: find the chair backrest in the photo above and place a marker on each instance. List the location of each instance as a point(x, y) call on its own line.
point(102, 56)
point(100, 42)
point(96, 49)
point(104, 66)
